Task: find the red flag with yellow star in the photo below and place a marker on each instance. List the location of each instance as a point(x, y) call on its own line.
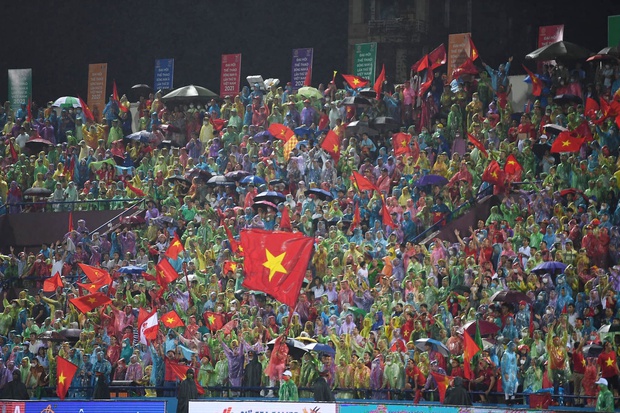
point(96, 275)
point(234, 244)
point(493, 174)
point(473, 50)
point(90, 287)
point(477, 144)
point(51, 284)
point(512, 165)
point(400, 141)
point(213, 321)
point(470, 349)
point(90, 302)
point(276, 262)
point(331, 145)
point(363, 184)
point(165, 273)
point(437, 57)
point(443, 382)
point(180, 371)
point(229, 266)
point(420, 64)
point(171, 320)
point(175, 248)
point(567, 142)
point(537, 84)
point(65, 370)
point(279, 131)
point(355, 81)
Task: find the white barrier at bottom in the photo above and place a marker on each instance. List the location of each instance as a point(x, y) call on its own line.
point(259, 407)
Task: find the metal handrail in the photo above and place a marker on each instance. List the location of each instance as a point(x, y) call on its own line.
point(141, 201)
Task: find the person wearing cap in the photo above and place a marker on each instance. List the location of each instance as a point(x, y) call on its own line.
point(288, 388)
point(605, 399)
point(187, 391)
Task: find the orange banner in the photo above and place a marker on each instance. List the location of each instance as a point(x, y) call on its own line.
point(458, 51)
point(97, 77)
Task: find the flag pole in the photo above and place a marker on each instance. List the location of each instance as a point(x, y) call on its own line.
point(184, 266)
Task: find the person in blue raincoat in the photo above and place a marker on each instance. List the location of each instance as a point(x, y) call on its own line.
point(509, 373)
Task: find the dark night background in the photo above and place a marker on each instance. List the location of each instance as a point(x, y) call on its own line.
point(58, 39)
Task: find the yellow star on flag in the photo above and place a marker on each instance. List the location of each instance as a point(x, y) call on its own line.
point(565, 143)
point(240, 248)
point(233, 267)
point(494, 174)
point(583, 362)
point(92, 300)
point(356, 81)
point(170, 320)
point(335, 148)
point(176, 243)
point(511, 162)
point(92, 287)
point(274, 263)
point(403, 143)
point(283, 132)
point(609, 362)
point(211, 319)
point(61, 378)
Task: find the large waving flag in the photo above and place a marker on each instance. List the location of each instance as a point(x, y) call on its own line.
point(331, 145)
point(165, 273)
point(276, 262)
point(473, 50)
point(443, 382)
point(65, 370)
point(437, 57)
point(537, 84)
point(51, 284)
point(96, 275)
point(355, 81)
point(567, 142)
point(470, 349)
point(362, 183)
point(477, 144)
point(420, 64)
point(279, 131)
point(89, 302)
point(180, 372)
point(172, 320)
point(400, 142)
point(378, 86)
point(175, 248)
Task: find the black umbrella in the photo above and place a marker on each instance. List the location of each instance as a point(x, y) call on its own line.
point(320, 193)
point(42, 192)
point(162, 220)
point(220, 180)
point(180, 180)
point(510, 297)
point(592, 350)
point(198, 173)
point(141, 89)
point(296, 348)
point(359, 127)
point(562, 50)
point(610, 51)
point(385, 123)
point(567, 99)
point(540, 149)
point(237, 175)
point(38, 144)
point(355, 101)
point(271, 196)
point(367, 92)
point(264, 204)
point(190, 93)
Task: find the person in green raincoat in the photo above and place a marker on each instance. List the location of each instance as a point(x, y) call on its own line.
point(605, 399)
point(288, 389)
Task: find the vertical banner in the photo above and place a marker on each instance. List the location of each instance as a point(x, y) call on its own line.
point(97, 77)
point(548, 35)
point(164, 74)
point(458, 51)
point(613, 31)
point(302, 61)
point(20, 87)
point(365, 61)
point(230, 77)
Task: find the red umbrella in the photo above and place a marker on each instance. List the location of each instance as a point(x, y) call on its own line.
point(486, 328)
point(510, 297)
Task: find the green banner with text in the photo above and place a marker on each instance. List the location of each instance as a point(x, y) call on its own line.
point(613, 31)
point(365, 61)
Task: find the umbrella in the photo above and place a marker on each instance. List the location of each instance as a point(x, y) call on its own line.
point(142, 136)
point(592, 350)
point(367, 92)
point(220, 180)
point(559, 50)
point(252, 179)
point(359, 127)
point(385, 123)
point(554, 127)
point(510, 297)
point(612, 51)
point(71, 333)
point(141, 89)
point(198, 173)
point(567, 99)
point(271, 196)
point(601, 57)
point(305, 339)
point(276, 182)
point(37, 192)
point(51, 336)
point(190, 92)
point(296, 348)
point(181, 180)
point(166, 127)
point(431, 180)
point(540, 149)
point(264, 204)
point(575, 193)
point(321, 348)
point(162, 220)
point(310, 92)
point(461, 289)
point(37, 145)
point(486, 328)
point(131, 269)
point(550, 266)
point(303, 131)
point(67, 102)
point(486, 344)
point(236, 175)
point(355, 100)
point(320, 193)
point(437, 345)
point(263, 136)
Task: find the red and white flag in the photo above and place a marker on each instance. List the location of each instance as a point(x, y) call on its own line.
point(149, 328)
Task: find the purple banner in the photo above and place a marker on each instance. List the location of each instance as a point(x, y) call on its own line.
point(302, 62)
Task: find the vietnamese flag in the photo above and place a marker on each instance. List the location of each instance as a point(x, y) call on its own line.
point(331, 145)
point(65, 370)
point(378, 87)
point(276, 262)
point(512, 165)
point(218, 124)
point(467, 68)
point(180, 371)
point(584, 131)
point(165, 273)
point(51, 284)
point(362, 183)
point(424, 87)
point(437, 57)
point(171, 320)
point(96, 275)
point(13, 151)
point(477, 144)
point(493, 173)
point(357, 218)
point(355, 81)
point(116, 98)
point(89, 302)
point(537, 84)
point(591, 108)
point(386, 218)
point(443, 382)
point(175, 248)
point(90, 287)
point(285, 220)
point(135, 190)
point(470, 349)
point(86, 110)
point(473, 51)
point(234, 244)
point(308, 79)
point(567, 142)
point(420, 64)
point(400, 142)
point(229, 266)
point(213, 321)
point(281, 132)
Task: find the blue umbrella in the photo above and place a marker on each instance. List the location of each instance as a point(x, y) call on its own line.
point(263, 136)
point(131, 269)
point(437, 345)
point(142, 136)
point(550, 266)
point(252, 179)
point(320, 348)
point(431, 180)
point(271, 196)
point(303, 131)
point(320, 193)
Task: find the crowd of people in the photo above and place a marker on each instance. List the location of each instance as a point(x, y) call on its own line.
point(373, 289)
